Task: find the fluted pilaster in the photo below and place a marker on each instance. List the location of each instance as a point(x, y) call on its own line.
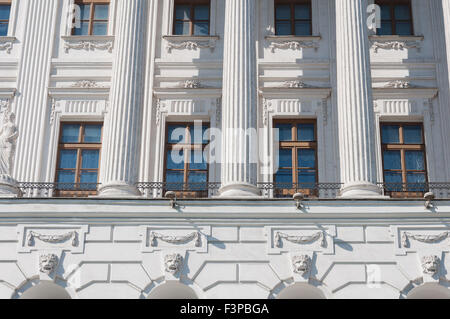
point(239, 141)
point(122, 125)
point(446, 108)
point(355, 102)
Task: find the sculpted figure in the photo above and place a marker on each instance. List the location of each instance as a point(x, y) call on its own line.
point(8, 138)
point(48, 263)
point(430, 264)
point(173, 263)
point(302, 264)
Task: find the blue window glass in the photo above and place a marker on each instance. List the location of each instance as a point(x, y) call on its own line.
point(66, 177)
point(100, 28)
point(390, 134)
point(283, 28)
point(302, 11)
point(197, 160)
point(392, 160)
point(306, 132)
point(402, 12)
point(82, 30)
point(177, 134)
point(307, 158)
point(90, 159)
point(201, 28)
point(394, 182)
point(385, 12)
point(283, 12)
point(88, 180)
point(197, 181)
point(70, 133)
point(85, 11)
point(182, 28)
point(284, 176)
point(174, 180)
point(3, 29)
point(175, 159)
point(5, 11)
point(306, 179)
point(403, 28)
point(284, 132)
point(68, 159)
point(415, 160)
point(303, 28)
point(386, 29)
point(101, 12)
point(285, 158)
point(199, 134)
point(182, 12)
point(412, 134)
point(92, 133)
point(201, 12)
point(416, 182)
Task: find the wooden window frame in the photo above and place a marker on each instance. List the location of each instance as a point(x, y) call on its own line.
point(403, 148)
point(80, 146)
point(91, 20)
point(8, 21)
point(292, 4)
point(187, 148)
point(392, 4)
point(295, 144)
point(192, 4)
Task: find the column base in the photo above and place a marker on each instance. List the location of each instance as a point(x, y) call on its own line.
point(239, 190)
point(118, 190)
point(361, 190)
point(9, 187)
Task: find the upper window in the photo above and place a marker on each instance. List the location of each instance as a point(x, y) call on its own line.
point(404, 159)
point(5, 12)
point(186, 166)
point(293, 17)
point(78, 159)
point(396, 17)
point(93, 18)
point(191, 17)
point(297, 157)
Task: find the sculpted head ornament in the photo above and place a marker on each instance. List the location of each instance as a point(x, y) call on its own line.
point(48, 263)
point(173, 263)
point(301, 264)
point(430, 264)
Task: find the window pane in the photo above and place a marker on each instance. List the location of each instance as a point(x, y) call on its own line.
point(403, 28)
point(89, 178)
point(201, 13)
point(412, 134)
point(83, 30)
point(101, 12)
point(394, 182)
point(415, 160)
point(283, 28)
point(199, 134)
point(197, 160)
point(3, 29)
point(385, 12)
point(175, 159)
point(68, 159)
point(284, 176)
point(306, 132)
point(201, 28)
point(392, 160)
point(285, 159)
point(302, 11)
point(182, 28)
point(283, 12)
point(416, 182)
point(284, 131)
point(402, 12)
point(182, 12)
point(85, 10)
point(177, 134)
point(175, 180)
point(90, 159)
point(386, 29)
point(5, 11)
point(66, 177)
point(390, 134)
point(92, 133)
point(303, 28)
point(100, 28)
point(306, 179)
point(70, 133)
point(306, 158)
point(197, 181)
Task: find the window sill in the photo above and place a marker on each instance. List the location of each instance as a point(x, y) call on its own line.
point(190, 42)
point(88, 42)
point(293, 42)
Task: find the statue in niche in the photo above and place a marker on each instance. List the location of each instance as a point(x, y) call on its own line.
point(8, 138)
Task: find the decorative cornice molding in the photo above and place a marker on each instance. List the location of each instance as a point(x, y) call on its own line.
point(395, 42)
point(429, 239)
point(88, 43)
point(190, 42)
point(175, 239)
point(292, 42)
point(53, 239)
point(301, 239)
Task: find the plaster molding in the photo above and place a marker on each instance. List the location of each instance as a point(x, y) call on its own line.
point(395, 42)
point(190, 42)
point(53, 239)
point(173, 263)
point(88, 43)
point(6, 44)
point(430, 264)
point(429, 239)
point(301, 264)
point(399, 84)
point(195, 236)
point(48, 263)
point(279, 236)
point(293, 43)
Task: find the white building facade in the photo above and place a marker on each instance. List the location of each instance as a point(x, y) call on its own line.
point(224, 149)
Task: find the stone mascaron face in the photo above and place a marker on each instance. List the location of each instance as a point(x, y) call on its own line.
point(430, 264)
point(173, 263)
point(301, 264)
point(48, 263)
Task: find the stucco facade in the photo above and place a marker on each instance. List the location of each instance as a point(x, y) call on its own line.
point(239, 241)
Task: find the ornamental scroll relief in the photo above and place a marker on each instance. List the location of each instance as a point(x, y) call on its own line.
point(301, 239)
point(175, 239)
point(429, 239)
point(293, 45)
point(53, 239)
point(89, 45)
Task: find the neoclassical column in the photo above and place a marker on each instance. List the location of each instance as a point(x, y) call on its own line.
point(446, 108)
point(355, 102)
point(122, 125)
point(239, 139)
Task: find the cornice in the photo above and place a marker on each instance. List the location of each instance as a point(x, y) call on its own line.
point(295, 92)
point(426, 93)
point(183, 93)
